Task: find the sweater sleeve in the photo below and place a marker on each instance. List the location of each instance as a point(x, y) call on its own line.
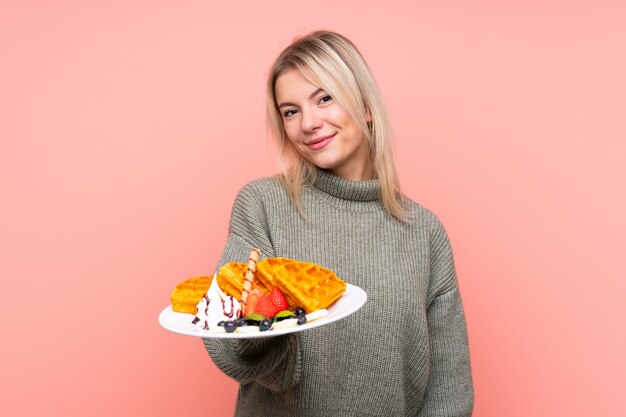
point(272, 362)
point(450, 390)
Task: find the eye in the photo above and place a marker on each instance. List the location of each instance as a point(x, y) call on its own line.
point(289, 112)
point(325, 99)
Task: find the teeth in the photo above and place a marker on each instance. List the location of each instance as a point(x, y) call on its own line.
point(317, 314)
point(285, 324)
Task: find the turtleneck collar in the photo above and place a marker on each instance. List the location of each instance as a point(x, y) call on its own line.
point(345, 189)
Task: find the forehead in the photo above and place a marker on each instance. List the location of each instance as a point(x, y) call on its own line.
point(293, 85)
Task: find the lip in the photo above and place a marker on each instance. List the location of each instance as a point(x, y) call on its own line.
point(319, 143)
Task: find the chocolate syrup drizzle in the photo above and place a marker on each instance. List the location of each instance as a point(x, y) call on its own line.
point(228, 314)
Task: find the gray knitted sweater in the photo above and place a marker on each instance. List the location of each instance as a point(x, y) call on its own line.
point(404, 353)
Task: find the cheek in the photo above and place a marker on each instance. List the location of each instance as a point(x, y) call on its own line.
point(289, 131)
point(292, 136)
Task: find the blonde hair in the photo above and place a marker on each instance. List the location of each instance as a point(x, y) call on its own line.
point(333, 63)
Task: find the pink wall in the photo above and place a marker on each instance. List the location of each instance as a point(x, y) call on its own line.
point(128, 127)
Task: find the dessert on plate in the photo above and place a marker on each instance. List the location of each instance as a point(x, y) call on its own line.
point(274, 293)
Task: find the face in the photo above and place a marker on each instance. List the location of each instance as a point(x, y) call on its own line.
point(320, 129)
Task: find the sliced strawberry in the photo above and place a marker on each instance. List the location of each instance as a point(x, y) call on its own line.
point(278, 299)
point(265, 306)
point(251, 301)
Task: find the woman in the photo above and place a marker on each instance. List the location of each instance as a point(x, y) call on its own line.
point(337, 203)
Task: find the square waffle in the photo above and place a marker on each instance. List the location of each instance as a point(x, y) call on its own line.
point(188, 293)
point(304, 284)
point(231, 277)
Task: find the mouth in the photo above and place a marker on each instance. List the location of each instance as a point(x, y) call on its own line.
point(318, 143)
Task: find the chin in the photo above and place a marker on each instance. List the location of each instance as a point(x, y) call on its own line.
point(323, 164)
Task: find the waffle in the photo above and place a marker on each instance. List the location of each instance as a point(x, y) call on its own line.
point(304, 284)
point(231, 276)
point(188, 293)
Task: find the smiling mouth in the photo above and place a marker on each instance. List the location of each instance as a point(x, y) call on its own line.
point(319, 143)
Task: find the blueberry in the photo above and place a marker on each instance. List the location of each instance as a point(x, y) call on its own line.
point(302, 319)
point(241, 322)
point(265, 324)
point(230, 326)
point(300, 311)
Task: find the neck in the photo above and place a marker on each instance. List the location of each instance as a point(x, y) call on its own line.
point(359, 173)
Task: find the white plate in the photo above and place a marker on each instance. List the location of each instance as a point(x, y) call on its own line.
point(351, 300)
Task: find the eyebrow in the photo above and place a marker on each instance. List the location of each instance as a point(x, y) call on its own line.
point(313, 94)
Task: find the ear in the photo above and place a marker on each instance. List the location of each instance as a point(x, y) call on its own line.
point(368, 119)
point(368, 115)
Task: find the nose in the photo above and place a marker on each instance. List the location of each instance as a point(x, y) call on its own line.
point(311, 121)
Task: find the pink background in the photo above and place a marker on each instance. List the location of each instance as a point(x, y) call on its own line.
point(128, 127)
